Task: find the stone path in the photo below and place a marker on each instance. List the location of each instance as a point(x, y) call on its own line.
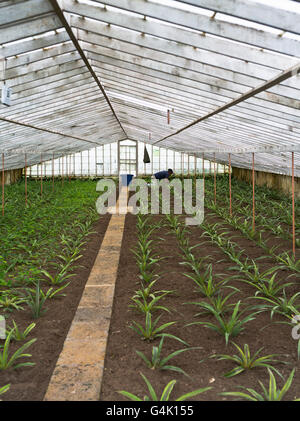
point(79, 369)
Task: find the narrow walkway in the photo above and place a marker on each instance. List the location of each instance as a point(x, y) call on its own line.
point(79, 369)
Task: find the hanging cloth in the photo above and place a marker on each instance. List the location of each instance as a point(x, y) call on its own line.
point(146, 156)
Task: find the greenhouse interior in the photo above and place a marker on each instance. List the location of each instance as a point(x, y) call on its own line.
point(150, 201)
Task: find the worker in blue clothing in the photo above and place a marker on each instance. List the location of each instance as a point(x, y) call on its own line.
point(163, 174)
point(160, 175)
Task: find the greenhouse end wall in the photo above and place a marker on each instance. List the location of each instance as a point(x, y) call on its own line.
point(11, 176)
point(271, 180)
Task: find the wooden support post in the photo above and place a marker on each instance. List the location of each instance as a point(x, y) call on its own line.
point(293, 204)
point(168, 116)
point(253, 193)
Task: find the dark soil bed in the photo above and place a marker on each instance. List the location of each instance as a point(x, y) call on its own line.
point(30, 383)
point(123, 365)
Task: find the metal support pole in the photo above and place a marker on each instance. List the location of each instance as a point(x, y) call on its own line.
point(293, 204)
point(110, 166)
point(137, 158)
point(174, 165)
point(229, 165)
point(67, 167)
point(158, 158)
point(2, 184)
point(181, 158)
point(53, 171)
point(118, 158)
point(144, 162)
point(96, 161)
point(253, 194)
point(203, 173)
point(25, 173)
point(103, 160)
point(215, 180)
point(41, 174)
point(62, 170)
point(151, 159)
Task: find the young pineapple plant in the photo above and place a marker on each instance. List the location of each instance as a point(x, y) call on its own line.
point(165, 396)
point(272, 393)
point(245, 361)
point(231, 324)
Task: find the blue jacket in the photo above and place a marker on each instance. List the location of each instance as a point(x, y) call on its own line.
point(161, 174)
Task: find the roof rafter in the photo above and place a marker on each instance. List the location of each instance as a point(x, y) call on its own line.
point(67, 27)
point(263, 87)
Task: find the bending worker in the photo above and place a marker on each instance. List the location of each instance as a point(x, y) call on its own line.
point(163, 174)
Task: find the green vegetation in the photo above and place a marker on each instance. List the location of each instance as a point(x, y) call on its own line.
point(165, 396)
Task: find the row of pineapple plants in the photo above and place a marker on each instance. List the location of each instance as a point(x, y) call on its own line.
point(39, 257)
point(273, 210)
point(148, 300)
point(229, 319)
point(265, 284)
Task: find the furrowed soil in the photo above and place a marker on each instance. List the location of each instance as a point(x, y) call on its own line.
point(123, 366)
point(30, 383)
